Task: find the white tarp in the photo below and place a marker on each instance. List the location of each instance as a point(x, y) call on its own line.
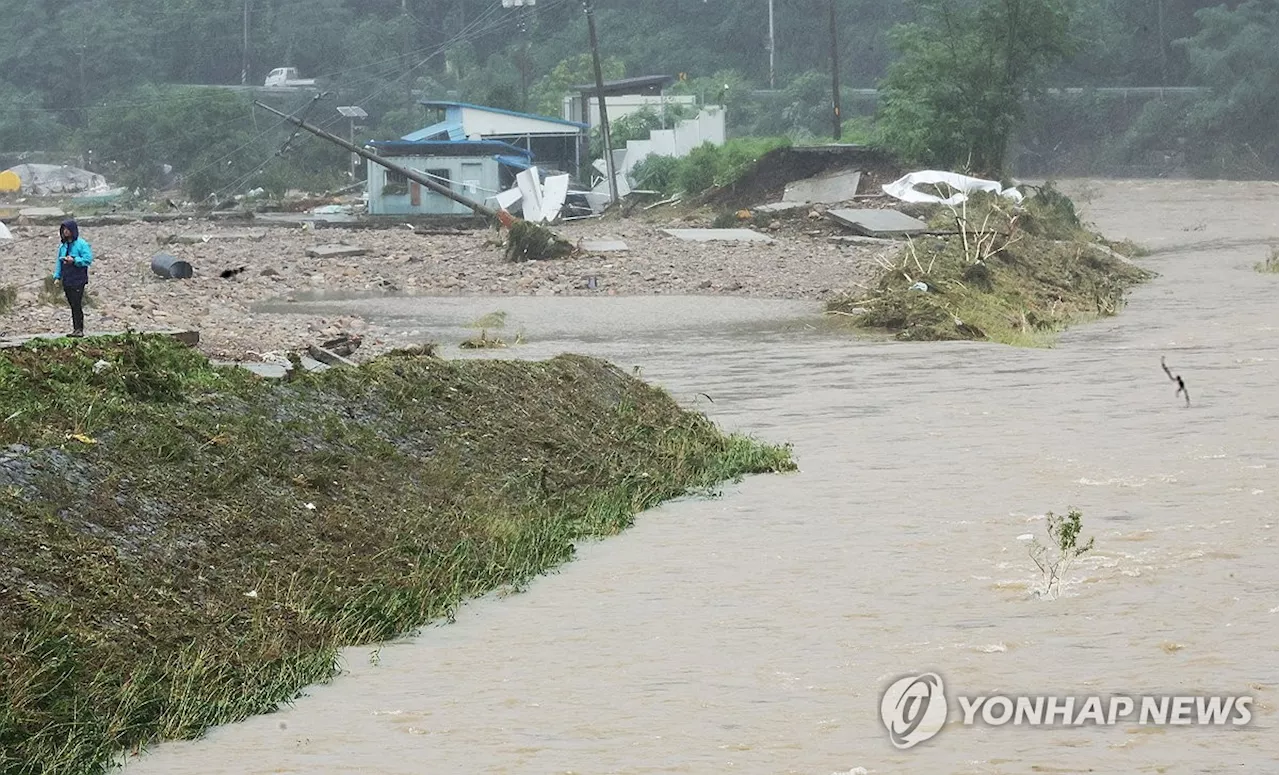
point(904, 188)
point(4, 231)
point(49, 179)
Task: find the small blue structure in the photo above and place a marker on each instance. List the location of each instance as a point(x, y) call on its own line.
point(475, 150)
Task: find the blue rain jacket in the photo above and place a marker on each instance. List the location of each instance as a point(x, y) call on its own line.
point(75, 274)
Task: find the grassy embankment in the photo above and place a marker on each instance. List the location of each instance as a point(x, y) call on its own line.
point(186, 546)
point(1006, 273)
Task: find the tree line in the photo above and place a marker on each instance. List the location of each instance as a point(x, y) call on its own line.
point(120, 79)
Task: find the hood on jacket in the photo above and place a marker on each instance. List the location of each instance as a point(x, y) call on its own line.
point(72, 227)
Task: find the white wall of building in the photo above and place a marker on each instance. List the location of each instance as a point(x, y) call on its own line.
point(479, 124)
point(623, 105)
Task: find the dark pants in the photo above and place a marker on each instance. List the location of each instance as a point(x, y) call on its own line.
point(75, 297)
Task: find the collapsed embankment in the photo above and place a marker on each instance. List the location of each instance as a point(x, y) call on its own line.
point(185, 545)
point(994, 270)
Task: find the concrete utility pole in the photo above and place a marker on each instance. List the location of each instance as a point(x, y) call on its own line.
point(771, 46)
point(835, 72)
point(408, 32)
point(244, 71)
point(604, 113)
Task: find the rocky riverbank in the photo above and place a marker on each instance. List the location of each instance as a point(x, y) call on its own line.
point(803, 262)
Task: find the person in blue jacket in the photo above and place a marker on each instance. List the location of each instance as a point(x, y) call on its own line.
point(72, 270)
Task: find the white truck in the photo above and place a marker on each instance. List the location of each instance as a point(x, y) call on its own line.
point(287, 77)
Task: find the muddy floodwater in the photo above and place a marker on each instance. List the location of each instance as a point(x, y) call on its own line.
point(755, 633)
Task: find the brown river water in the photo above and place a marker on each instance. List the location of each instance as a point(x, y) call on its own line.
point(755, 633)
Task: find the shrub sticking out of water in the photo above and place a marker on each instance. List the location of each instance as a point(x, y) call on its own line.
point(1010, 274)
point(533, 242)
point(1271, 265)
point(184, 546)
point(1064, 548)
point(482, 342)
point(492, 320)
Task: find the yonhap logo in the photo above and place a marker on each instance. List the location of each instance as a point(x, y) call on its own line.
point(914, 709)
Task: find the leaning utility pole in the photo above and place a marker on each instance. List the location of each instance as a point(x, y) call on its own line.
point(411, 174)
point(835, 73)
point(604, 114)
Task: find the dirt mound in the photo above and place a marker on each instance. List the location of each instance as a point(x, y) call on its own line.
point(781, 166)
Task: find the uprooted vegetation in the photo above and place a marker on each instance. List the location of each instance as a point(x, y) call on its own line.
point(533, 242)
point(185, 545)
point(1001, 272)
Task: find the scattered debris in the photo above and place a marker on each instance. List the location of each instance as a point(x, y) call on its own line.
point(824, 189)
point(327, 356)
point(671, 201)
point(904, 188)
point(719, 235)
point(336, 251)
point(863, 240)
point(343, 345)
point(603, 246)
point(781, 207)
point(199, 239)
point(229, 273)
point(540, 200)
point(879, 223)
point(171, 268)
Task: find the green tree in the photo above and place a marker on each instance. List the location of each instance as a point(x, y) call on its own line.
point(956, 93)
point(548, 95)
point(1234, 54)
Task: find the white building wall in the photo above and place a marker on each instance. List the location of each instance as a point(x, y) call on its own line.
point(479, 124)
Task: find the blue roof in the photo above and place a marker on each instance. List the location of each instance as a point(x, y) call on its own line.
point(519, 162)
point(449, 147)
point(447, 104)
point(450, 128)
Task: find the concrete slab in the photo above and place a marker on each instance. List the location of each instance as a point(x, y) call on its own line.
point(197, 239)
point(863, 241)
point(781, 207)
point(42, 212)
point(879, 223)
point(336, 251)
point(824, 189)
point(719, 235)
point(603, 245)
